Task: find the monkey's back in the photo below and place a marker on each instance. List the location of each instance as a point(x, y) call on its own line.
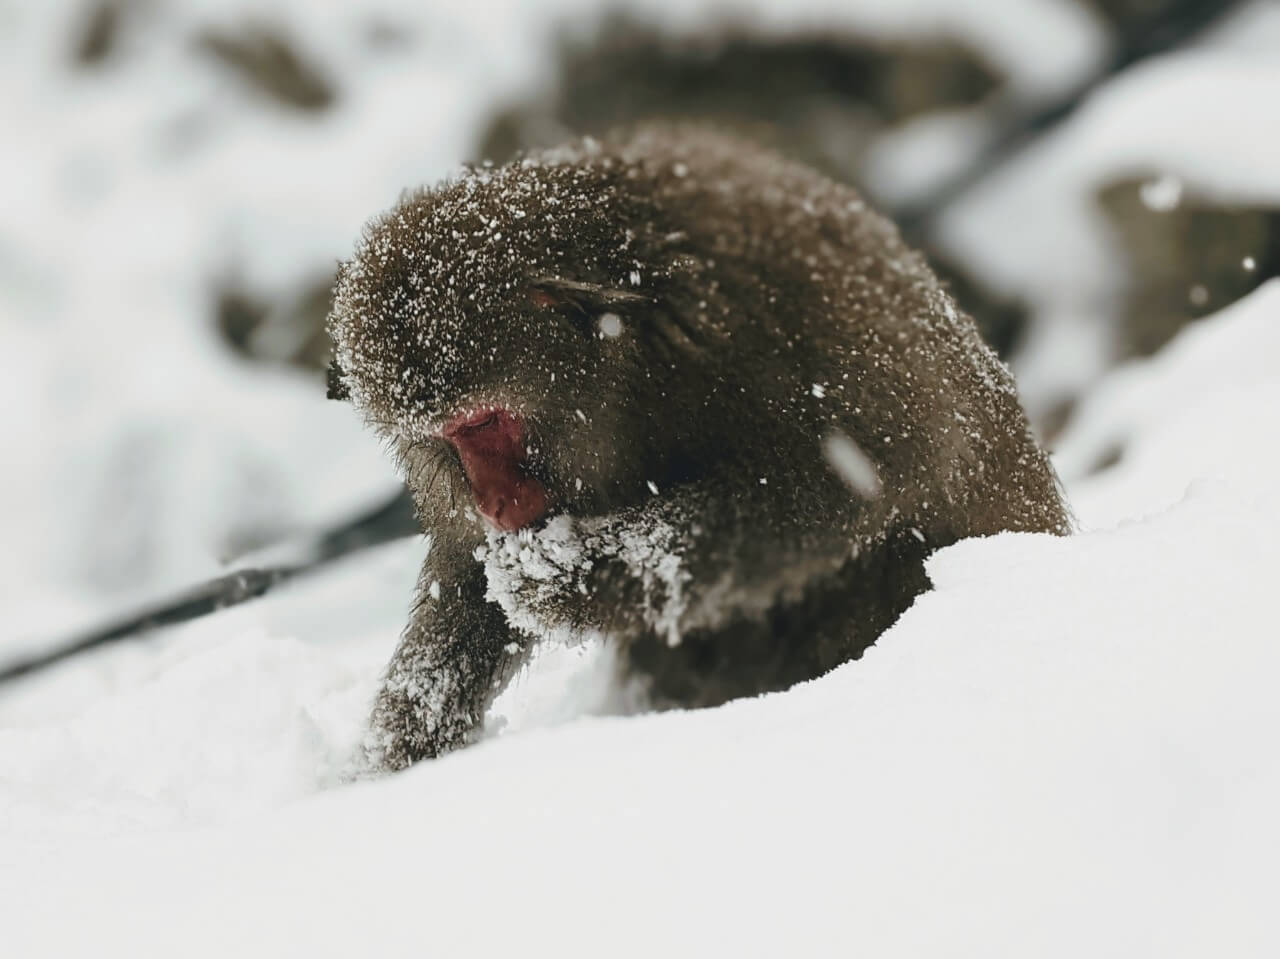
point(817, 320)
point(831, 323)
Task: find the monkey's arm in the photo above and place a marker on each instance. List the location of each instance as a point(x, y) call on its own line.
point(453, 659)
point(688, 559)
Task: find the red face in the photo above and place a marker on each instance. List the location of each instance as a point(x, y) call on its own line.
point(491, 445)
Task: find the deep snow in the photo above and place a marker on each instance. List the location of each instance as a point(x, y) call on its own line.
point(1063, 749)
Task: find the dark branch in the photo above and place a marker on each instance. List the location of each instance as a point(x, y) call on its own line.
point(392, 520)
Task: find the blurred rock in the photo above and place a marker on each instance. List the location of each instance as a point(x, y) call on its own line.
point(1186, 256)
point(820, 96)
point(98, 32)
point(270, 63)
point(286, 329)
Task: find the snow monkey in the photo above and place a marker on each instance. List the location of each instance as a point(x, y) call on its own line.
point(672, 390)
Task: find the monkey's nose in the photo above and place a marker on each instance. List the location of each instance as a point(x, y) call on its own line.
point(491, 445)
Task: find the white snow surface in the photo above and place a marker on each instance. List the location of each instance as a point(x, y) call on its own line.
point(1065, 748)
point(1207, 406)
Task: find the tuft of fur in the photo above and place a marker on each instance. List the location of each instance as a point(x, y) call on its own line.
point(687, 324)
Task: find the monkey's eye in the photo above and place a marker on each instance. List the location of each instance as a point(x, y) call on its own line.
point(596, 310)
point(590, 297)
point(576, 313)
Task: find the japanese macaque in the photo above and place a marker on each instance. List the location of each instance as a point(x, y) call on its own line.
point(672, 390)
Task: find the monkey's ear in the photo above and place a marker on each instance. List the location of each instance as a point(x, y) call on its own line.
point(337, 389)
point(551, 291)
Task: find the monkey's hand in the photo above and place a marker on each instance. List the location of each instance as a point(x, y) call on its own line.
point(455, 657)
point(687, 560)
point(579, 578)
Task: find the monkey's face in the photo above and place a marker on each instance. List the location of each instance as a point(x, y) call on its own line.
point(541, 416)
point(499, 331)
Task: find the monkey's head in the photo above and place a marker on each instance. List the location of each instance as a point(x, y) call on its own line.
point(513, 330)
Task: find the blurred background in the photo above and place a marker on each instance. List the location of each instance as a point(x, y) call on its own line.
point(179, 178)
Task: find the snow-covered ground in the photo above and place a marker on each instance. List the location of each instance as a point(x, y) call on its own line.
point(1066, 748)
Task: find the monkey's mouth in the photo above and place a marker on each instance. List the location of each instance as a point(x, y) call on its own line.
point(491, 444)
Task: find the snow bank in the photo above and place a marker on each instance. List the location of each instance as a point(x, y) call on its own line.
point(1208, 405)
point(1063, 749)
